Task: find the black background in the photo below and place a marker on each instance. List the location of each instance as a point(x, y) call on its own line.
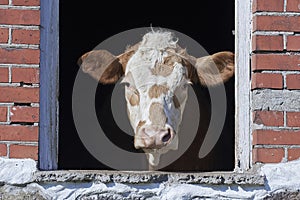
point(85, 24)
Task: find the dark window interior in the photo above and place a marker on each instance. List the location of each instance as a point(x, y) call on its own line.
point(83, 25)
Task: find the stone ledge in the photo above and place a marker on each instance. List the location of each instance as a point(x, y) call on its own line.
point(211, 178)
point(20, 179)
point(280, 100)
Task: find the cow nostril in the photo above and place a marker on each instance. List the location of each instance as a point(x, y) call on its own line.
point(167, 136)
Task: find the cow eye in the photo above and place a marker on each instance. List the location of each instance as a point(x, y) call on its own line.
point(128, 86)
point(135, 91)
point(131, 88)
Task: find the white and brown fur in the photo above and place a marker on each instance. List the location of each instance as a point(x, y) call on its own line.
point(156, 73)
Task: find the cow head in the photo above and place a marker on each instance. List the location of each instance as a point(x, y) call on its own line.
point(156, 73)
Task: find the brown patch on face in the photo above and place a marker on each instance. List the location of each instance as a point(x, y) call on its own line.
point(157, 115)
point(133, 98)
point(176, 102)
point(187, 61)
point(170, 60)
point(162, 70)
point(140, 124)
point(156, 90)
point(166, 68)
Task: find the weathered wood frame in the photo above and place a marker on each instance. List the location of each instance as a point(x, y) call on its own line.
point(243, 29)
point(49, 78)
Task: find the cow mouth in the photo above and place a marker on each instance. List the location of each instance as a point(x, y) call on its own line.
point(154, 154)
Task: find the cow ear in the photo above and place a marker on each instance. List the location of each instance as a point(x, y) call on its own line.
point(104, 66)
point(215, 69)
point(101, 65)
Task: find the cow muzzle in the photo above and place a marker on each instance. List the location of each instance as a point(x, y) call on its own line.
point(152, 137)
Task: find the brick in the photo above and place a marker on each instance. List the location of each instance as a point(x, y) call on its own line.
point(293, 119)
point(21, 36)
point(25, 75)
point(267, 43)
point(268, 118)
point(3, 150)
point(268, 5)
point(4, 2)
point(19, 95)
point(3, 35)
point(293, 43)
point(19, 17)
point(293, 154)
point(293, 81)
point(293, 6)
point(271, 137)
point(23, 151)
point(3, 114)
point(26, 2)
point(20, 56)
point(4, 75)
point(18, 133)
point(276, 23)
point(266, 80)
point(275, 62)
point(24, 114)
point(270, 155)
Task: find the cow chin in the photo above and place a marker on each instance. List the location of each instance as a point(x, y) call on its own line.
point(153, 155)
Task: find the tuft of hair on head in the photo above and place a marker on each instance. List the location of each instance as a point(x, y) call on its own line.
point(160, 39)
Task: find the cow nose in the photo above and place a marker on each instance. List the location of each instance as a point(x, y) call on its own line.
point(153, 138)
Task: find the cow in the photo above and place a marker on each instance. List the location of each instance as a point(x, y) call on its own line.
point(156, 72)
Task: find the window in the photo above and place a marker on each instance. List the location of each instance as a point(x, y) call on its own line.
point(83, 28)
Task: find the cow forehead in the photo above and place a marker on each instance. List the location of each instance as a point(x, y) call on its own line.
point(156, 61)
point(153, 66)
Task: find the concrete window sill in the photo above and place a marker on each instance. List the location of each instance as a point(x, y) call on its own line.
point(215, 178)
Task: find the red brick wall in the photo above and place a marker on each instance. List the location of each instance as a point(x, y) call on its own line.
point(275, 66)
point(19, 78)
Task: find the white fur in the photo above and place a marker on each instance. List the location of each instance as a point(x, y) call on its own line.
point(159, 40)
point(153, 49)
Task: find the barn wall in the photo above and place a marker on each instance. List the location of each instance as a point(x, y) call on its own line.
point(276, 80)
point(275, 106)
point(19, 78)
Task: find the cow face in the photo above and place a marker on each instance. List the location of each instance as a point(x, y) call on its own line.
point(156, 75)
point(156, 92)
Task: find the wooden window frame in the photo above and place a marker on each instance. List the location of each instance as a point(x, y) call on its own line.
point(49, 85)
